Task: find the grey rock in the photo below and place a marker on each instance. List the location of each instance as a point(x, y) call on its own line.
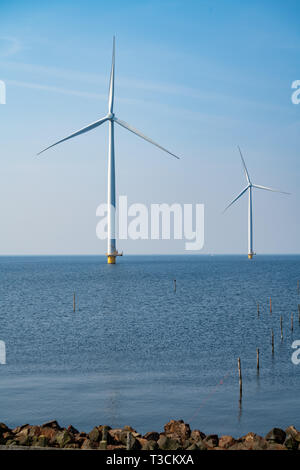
point(132, 443)
point(3, 428)
point(88, 445)
point(290, 443)
point(276, 435)
point(152, 436)
point(51, 424)
point(197, 435)
point(177, 430)
point(72, 430)
point(292, 431)
point(212, 440)
point(201, 445)
point(95, 435)
point(193, 447)
point(151, 445)
point(63, 438)
point(166, 443)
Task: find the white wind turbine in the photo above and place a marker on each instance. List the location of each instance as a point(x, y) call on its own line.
point(111, 197)
point(249, 188)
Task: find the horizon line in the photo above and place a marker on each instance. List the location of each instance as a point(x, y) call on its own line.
point(145, 254)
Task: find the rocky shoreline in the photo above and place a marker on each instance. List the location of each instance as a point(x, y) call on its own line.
point(177, 435)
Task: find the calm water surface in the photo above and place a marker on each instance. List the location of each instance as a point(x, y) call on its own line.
point(135, 352)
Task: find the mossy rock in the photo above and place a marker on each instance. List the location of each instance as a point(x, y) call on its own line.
point(63, 438)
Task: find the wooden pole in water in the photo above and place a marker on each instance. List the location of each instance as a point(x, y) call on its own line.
point(74, 302)
point(298, 287)
point(270, 304)
point(257, 359)
point(272, 341)
point(281, 329)
point(174, 285)
point(258, 309)
point(240, 378)
point(292, 322)
point(299, 313)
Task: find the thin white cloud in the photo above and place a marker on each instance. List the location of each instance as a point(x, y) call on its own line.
point(64, 91)
point(67, 91)
point(55, 72)
point(185, 114)
point(125, 83)
point(9, 46)
point(210, 119)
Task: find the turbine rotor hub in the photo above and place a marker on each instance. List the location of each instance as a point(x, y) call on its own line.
point(110, 116)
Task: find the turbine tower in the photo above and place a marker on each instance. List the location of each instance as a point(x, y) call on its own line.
point(249, 188)
point(112, 252)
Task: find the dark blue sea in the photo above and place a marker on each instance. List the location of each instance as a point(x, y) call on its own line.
point(136, 352)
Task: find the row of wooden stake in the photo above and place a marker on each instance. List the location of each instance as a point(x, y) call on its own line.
point(272, 343)
point(292, 317)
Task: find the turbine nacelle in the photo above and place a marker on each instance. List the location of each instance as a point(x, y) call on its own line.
point(110, 116)
point(251, 185)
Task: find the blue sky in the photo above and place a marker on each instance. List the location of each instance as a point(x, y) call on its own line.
point(200, 77)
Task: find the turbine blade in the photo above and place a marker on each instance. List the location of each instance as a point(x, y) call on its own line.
point(135, 131)
point(244, 165)
point(112, 82)
point(81, 131)
point(269, 189)
point(240, 195)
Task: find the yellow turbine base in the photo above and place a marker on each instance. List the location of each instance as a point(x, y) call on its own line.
point(250, 255)
point(111, 259)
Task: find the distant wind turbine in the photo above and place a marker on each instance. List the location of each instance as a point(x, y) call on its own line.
point(112, 252)
point(249, 188)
